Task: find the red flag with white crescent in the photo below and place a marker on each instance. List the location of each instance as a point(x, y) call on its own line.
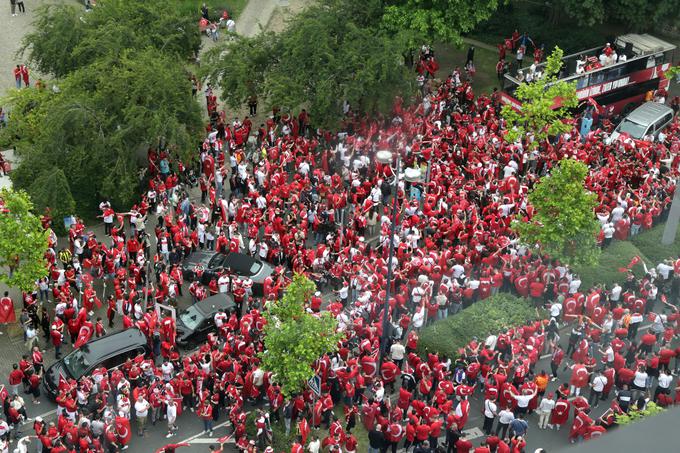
point(123, 431)
point(303, 427)
point(7, 314)
point(83, 336)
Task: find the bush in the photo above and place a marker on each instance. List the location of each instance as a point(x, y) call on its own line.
point(280, 442)
point(481, 319)
point(649, 243)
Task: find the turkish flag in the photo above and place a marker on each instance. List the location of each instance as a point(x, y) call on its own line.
point(83, 336)
point(7, 314)
point(123, 431)
point(303, 427)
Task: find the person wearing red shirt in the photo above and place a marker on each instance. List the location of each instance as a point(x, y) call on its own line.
point(15, 378)
point(463, 446)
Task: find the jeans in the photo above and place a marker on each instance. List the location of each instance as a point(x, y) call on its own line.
point(442, 313)
point(208, 425)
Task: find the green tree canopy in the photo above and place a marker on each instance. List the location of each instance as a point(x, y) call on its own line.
point(321, 59)
point(294, 339)
point(23, 241)
point(51, 190)
point(437, 20)
point(537, 115)
point(64, 39)
point(564, 223)
point(95, 129)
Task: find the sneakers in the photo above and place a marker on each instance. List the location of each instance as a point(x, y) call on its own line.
point(210, 434)
point(169, 435)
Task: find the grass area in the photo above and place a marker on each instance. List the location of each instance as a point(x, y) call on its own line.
point(649, 243)
point(215, 7)
point(450, 56)
point(617, 255)
point(534, 18)
point(481, 319)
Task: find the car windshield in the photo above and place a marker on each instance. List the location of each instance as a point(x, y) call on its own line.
point(76, 364)
point(192, 318)
point(631, 128)
point(215, 261)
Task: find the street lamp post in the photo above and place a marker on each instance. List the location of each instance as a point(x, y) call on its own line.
point(385, 157)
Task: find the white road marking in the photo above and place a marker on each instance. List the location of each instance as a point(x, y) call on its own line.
point(472, 433)
point(196, 436)
point(209, 440)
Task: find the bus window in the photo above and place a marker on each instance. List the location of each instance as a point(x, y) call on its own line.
point(659, 59)
point(582, 81)
point(650, 61)
point(614, 73)
point(597, 78)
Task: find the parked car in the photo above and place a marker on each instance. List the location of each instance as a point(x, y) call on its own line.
point(647, 120)
point(197, 321)
point(110, 351)
point(212, 263)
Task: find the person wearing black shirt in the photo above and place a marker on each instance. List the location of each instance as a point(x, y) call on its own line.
point(452, 436)
point(376, 440)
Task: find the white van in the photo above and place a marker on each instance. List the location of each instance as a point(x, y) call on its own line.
point(647, 120)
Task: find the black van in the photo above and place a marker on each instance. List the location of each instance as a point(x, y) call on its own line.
point(109, 351)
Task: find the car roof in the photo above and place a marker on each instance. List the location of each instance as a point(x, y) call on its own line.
point(240, 262)
point(219, 301)
point(648, 113)
point(108, 344)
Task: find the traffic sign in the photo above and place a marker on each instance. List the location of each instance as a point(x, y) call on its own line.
point(314, 384)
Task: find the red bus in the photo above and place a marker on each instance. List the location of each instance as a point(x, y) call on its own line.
point(620, 85)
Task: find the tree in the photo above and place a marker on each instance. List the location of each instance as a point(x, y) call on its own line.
point(51, 190)
point(538, 114)
point(321, 59)
point(436, 20)
point(294, 339)
point(645, 15)
point(64, 39)
point(98, 127)
point(23, 241)
point(564, 224)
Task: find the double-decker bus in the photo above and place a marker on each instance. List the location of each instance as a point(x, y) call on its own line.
point(619, 85)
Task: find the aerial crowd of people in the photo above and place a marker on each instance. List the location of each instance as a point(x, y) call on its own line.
point(317, 202)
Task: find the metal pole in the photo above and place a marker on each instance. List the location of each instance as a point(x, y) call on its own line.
point(671, 227)
point(386, 305)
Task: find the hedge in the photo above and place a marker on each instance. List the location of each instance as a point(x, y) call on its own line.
point(481, 319)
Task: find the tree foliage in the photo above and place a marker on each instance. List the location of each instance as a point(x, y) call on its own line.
point(51, 190)
point(636, 15)
point(64, 39)
point(321, 59)
point(105, 115)
point(564, 224)
point(23, 241)
point(537, 115)
point(294, 339)
point(437, 20)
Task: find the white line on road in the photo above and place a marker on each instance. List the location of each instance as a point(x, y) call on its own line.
point(189, 440)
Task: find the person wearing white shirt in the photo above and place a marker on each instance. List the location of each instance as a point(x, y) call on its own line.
point(505, 416)
point(555, 309)
point(171, 413)
point(574, 285)
point(544, 410)
point(615, 293)
point(315, 445)
point(418, 318)
point(640, 380)
point(596, 389)
point(664, 270)
point(397, 352)
point(141, 412)
point(664, 385)
point(490, 411)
